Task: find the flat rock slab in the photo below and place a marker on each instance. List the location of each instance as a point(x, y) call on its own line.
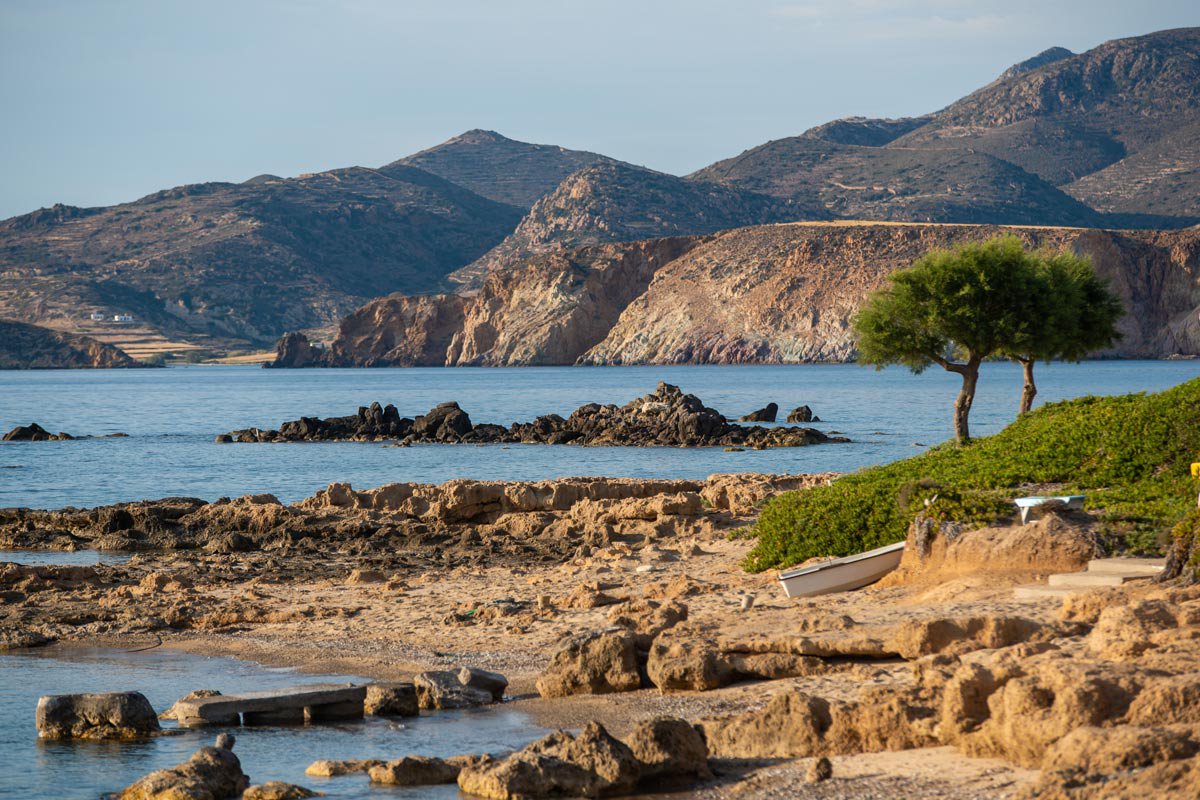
point(279, 705)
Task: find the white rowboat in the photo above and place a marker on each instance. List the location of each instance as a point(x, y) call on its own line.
point(842, 574)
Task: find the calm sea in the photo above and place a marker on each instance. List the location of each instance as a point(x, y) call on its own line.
point(172, 415)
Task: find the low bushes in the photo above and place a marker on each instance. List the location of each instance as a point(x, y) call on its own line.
point(1130, 454)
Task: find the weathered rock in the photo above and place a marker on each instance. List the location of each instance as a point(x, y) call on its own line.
point(278, 790)
point(1048, 697)
point(197, 694)
point(391, 700)
point(1105, 750)
point(765, 414)
point(212, 773)
point(33, 433)
point(597, 662)
point(111, 715)
point(802, 414)
point(415, 771)
point(687, 663)
point(331, 768)
point(1124, 632)
point(669, 748)
point(821, 769)
point(646, 619)
point(491, 682)
point(592, 764)
point(666, 417)
point(442, 689)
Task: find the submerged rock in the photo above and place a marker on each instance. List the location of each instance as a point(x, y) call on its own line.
point(765, 414)
point(34, 433)
point(415, 771)
point(109, 715)
point(331, 768)
point(278, 790)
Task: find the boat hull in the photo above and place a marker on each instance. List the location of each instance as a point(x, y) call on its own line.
point(842, 574)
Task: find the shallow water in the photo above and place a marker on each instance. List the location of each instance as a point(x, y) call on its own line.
point(78, 558)
point(172, 415)
point(85, 770)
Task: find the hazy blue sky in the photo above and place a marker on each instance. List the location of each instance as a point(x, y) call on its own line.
point(107, 101)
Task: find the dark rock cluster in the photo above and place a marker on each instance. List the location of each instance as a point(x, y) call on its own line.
point(664, 418)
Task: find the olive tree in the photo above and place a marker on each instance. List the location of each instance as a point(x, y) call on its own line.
point(954, 308)
point(1073, 313)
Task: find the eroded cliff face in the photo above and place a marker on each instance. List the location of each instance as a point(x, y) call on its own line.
point(765, 294)
point(24, 346)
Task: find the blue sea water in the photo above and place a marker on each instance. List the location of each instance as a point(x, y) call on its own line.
point(172, 416)
point(35, 770)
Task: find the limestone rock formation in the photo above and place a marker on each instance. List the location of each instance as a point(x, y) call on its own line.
point(768, 294)
point(391, 700)
point(595, 662)
point(110, 715)
point(211, 772)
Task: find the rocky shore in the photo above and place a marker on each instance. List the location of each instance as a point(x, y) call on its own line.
point(665, 418)
point(610, 605)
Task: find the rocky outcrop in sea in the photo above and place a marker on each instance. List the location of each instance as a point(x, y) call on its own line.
point(664, 418)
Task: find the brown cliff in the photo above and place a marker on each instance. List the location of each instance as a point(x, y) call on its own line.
point(766, 294)
point(24, 346)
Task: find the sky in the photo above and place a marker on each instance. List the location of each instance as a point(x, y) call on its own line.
point(108, 100)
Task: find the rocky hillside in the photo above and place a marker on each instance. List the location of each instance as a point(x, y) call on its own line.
point(247, 261)
point(1052, 126)
point(619, 203)
point(502, 169)
point(24, 346)
point(772, 293)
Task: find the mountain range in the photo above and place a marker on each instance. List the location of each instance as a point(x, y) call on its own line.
point(1109, 138)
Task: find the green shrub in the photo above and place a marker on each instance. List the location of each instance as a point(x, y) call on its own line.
point(1129, 454)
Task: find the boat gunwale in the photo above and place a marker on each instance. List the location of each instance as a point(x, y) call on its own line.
point(845, 560)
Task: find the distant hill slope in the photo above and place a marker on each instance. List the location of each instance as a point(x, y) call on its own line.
point(24, 346)
point(911, 185)
point(503, 169)
point(247, 261)
point(766, 294)
point(1048, 123)
point(619, 202)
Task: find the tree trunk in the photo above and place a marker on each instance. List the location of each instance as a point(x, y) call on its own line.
point(1029, 390)
point(966, 396)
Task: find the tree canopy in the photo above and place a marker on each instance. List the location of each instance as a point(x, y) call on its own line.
point(956, 308)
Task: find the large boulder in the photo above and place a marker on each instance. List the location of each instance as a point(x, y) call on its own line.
point(592, 764)
point(802, 414)
point(491, 682)
point(391, 700)
point(669, 749)
point(442, 689)
point(108, 715)
point(212, 773)
point(597, 662)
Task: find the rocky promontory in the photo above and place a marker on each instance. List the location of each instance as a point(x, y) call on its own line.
point(24, 346)
point(766, 294)
point(664, 418)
